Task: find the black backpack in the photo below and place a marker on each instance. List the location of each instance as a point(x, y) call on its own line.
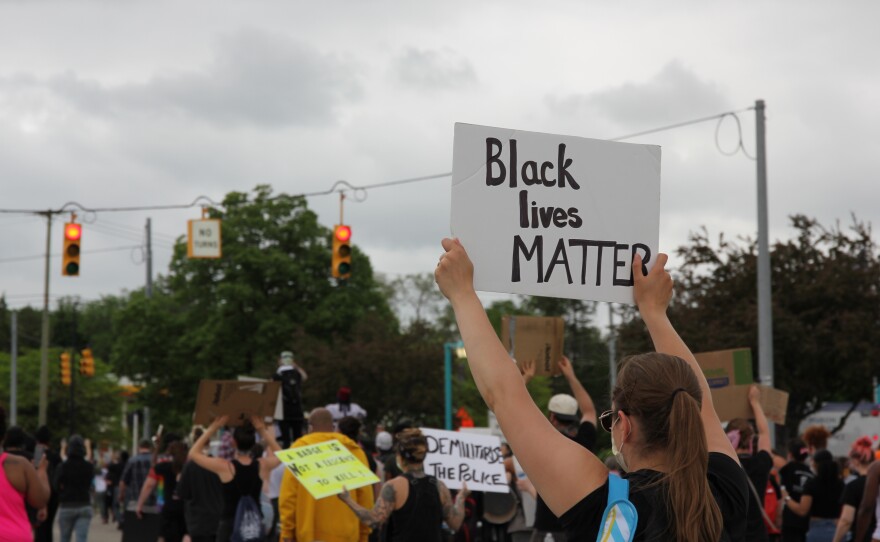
point(248, 526)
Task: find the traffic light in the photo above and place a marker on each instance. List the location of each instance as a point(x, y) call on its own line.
point(65, 369)
point(341, 264)
point(86, 363)
point(70, 256)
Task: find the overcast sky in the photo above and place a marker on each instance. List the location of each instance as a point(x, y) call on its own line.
point(133, 103)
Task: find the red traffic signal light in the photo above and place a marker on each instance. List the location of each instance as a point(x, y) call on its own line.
point(71, 253)
point(340, 265)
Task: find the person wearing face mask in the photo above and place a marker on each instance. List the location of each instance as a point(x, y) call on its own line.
point(684, 477)
point(755, 458)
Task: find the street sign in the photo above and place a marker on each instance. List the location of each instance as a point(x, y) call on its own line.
point(203, 238)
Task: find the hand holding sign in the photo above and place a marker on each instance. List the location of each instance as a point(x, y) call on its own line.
point(455, 272)
point(654, 290)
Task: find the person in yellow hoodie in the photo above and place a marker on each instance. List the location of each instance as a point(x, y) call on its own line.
point(304, 519)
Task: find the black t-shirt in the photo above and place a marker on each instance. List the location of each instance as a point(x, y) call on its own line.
point(794, 477)
point(545, 519)
point(852, 495)
point(728, 484)
point(826, 497)
point(202, 492)
point(73, 479)
point(757, 468)
point(166, 482)
point(114, 473)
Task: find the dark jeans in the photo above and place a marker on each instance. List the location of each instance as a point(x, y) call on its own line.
point(291, 430)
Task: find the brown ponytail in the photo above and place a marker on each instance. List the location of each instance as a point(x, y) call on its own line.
point(663, 393)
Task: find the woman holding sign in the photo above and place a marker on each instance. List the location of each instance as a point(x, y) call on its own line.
point(242, 477)
point(684, 477)
point(415, 504)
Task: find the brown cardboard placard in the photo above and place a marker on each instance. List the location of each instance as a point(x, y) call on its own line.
point(537, 338)
point(726, 367)
point(236, 399)
point(733, 402)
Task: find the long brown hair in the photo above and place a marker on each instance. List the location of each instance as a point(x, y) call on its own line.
point(664, 394)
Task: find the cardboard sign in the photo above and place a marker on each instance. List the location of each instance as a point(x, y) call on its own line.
point(238, 400)
point(455, 457)
point(203, 238)
point(534, 338)
point(726, 367)
point(554, 215)
point(324, 468)
point(733, 402)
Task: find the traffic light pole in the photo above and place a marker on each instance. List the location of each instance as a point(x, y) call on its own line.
point(44, 341)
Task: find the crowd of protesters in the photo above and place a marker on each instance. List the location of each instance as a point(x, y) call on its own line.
point(690, 478)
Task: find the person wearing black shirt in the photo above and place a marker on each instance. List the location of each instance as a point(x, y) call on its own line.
point(821, 498)
point(861, 455)
point(563, 416)
point(685, 479)
point(72, 481)
point(794, 476)
point(291, 377)
point(415, 504)
point(243, 476)
point(757, 463)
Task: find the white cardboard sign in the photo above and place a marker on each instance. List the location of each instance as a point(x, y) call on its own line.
point(455, 457)
point(554, 215)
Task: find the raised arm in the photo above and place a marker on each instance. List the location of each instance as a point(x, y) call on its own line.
point(270, 461)
point(653, 293)
point(562, 470)
point(760, 419)
point(453, 511)
point(584, 401)
point(869, 501)
point(217, 465)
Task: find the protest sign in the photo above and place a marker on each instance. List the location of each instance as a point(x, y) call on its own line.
point(553, 215)
point(455, 457)
point(733, 402)
point(324, 468)
point(726, 367)
point(238, 400)
point(534, 338)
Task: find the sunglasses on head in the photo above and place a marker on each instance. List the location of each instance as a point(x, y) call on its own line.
point(607, 419)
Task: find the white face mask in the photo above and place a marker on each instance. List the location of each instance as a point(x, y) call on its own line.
point(618, 452)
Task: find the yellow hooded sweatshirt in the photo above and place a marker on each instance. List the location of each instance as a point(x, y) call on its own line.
point(329, 520)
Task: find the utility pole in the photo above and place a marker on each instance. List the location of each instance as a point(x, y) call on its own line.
point(149, 293)
point(765, 305)
point(44, 340)
point(13, 384)
point(149, 260)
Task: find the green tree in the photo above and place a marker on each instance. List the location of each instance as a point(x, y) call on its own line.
point(220, 318)
point(826, 309)
point(98, 401)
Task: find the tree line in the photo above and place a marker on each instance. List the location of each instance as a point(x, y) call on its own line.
point(384, 337)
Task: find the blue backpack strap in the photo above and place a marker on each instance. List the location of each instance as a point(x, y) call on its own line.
point(621, 517)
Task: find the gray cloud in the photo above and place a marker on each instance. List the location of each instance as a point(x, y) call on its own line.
point(673, 94)
point(443, 69)
point(255, 78)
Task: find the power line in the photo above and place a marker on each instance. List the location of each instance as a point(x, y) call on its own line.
point(205, 201)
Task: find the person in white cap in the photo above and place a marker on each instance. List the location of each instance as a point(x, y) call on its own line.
point(291, 377)
point(563, 409)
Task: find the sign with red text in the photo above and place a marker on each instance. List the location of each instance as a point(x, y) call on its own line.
point(455, 457)
point(554, 215)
